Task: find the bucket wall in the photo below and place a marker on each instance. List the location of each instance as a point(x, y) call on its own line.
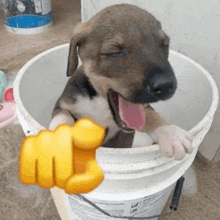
point(138, 176)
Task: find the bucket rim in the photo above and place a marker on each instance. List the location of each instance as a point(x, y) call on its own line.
point(34, 124)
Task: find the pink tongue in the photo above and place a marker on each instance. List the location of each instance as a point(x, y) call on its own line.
point(132, 114)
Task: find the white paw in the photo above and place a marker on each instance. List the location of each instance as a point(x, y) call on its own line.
point(174, 142)
point(60, 118)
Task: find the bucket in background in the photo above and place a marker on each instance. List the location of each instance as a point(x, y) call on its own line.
point(139, 180)
point(27, 17)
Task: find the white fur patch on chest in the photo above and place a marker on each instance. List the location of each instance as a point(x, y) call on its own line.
point(98, 110)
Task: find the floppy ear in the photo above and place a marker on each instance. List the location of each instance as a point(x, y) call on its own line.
point(80, 34)
point(73, 56)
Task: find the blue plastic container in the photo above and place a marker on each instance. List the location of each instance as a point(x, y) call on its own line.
point(27, 16)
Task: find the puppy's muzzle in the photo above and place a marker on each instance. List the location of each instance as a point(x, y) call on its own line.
point(159, 85)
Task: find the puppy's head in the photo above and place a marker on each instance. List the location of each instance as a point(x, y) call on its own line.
point(124, 53)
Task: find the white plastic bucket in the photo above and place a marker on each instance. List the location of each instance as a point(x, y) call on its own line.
point(138, 181)
point(27, 17)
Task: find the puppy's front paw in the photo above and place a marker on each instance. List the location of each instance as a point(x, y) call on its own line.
point(174, 141)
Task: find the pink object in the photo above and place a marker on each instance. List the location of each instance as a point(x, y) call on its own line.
point(8, 96)
point(132, 114)
point(7, 113)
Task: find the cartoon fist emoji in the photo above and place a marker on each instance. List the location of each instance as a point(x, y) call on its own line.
point(64, 157)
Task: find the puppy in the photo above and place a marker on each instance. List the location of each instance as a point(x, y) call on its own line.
point(124, 54)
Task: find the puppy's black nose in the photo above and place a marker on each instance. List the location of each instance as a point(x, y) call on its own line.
point(161, 84)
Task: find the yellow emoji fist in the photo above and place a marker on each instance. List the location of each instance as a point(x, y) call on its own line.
point(64, 157)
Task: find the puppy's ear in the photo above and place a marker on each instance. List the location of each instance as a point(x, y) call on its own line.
point(76, 41)
point(73, 56)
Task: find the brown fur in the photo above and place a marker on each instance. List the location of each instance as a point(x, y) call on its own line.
point(118, 48)
point(110, 35)
point(95, 37)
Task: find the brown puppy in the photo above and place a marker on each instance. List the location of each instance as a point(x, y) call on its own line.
point(124, 55)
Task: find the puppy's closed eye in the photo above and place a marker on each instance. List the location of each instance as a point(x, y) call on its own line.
point(120, 53)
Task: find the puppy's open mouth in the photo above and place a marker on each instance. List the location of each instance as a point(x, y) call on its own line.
point(128, 116)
